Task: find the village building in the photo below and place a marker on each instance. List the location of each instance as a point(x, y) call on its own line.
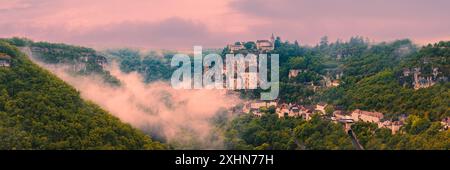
point(394, 126)
point(294, 73)
point(261, 45)
point(294, 111)
point(329, 82)
point(306, 112)
point(5, 60)
point(257, 105)
point(321, 107)
point(339, 114)
point(283, 110)
point(335, 83)
point(236, 47)
point(346, 119)
point(257, 113)
point(366, 116)
point(266, 45)
point(254, 107)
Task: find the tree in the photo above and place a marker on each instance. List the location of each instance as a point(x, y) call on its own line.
point(277, 42)
point(329, 109)
point(250, 45)
point(40, 111)
point(323, 42)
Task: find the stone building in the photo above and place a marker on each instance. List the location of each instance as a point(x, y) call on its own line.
point(366, 116)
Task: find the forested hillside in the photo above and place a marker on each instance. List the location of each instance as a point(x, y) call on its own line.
point(77, 60)
point(370, 75)
point(40, 111)
point(396, 78)
point(386, 90)
point(270, 132)
point(152, 66)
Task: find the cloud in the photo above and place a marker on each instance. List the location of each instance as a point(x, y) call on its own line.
point(182, 23)
point(169, 33)
point(380, 20)
point(365, 9)
point(173, 32)
point(151, 24)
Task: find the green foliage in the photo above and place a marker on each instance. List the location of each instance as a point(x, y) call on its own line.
point(17, 41)
point(295, 93)
point(250, 45)
point(418, 133)
point(378, 58)
point(371, 81)
point(271, 132)
point(40, 111)
point(52, 53)
point(322, 134)
point(151, 66)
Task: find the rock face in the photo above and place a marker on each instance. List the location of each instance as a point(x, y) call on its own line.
point(78, 60)
point(418, 79)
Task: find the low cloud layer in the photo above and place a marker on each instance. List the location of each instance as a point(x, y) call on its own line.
point(182, 118)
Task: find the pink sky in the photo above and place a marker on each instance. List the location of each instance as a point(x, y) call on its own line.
point(213, 23)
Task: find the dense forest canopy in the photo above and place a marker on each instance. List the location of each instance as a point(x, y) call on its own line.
point(152, 66)
point(82, 60)
point(40, 111)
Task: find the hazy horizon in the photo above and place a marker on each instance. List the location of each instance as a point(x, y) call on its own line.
point(182, 24)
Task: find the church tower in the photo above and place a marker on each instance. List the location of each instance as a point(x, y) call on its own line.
point(272, 39)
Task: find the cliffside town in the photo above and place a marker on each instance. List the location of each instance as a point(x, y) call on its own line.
point(336, 115)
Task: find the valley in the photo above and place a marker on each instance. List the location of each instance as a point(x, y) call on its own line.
point(321, 85)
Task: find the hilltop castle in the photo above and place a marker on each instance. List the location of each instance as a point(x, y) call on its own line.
point(260, 45)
